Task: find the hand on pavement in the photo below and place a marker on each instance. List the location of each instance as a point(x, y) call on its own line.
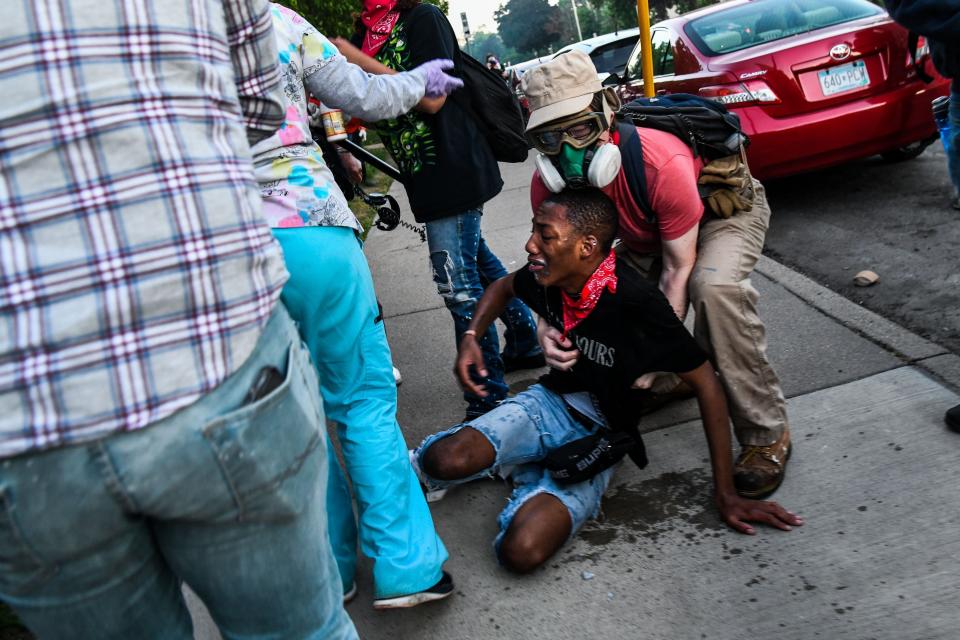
point(737, 512)
point(558, 351)
point(436, 82)
point(469, 356)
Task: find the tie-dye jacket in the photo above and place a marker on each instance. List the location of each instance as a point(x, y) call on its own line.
point(297, 187)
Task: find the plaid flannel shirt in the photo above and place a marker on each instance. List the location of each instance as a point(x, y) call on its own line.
point(136, 272)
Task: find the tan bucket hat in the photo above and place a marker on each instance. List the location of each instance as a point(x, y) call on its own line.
point(559, 88)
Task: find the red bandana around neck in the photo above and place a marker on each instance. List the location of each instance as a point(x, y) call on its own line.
point(379, 18)
point(604, 278)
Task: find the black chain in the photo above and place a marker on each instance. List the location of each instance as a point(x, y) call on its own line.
point(419, 230)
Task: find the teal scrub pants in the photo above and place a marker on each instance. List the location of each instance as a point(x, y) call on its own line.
point(330, 295)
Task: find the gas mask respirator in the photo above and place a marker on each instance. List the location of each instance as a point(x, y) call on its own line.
point(570, 155)
point(579, 168)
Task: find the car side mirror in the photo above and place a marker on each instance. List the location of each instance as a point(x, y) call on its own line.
point(612, 80)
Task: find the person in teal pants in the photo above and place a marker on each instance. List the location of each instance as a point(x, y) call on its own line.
point(349, 346)
point(330, 295)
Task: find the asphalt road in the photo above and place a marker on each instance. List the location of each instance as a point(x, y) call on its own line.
point(894, 219)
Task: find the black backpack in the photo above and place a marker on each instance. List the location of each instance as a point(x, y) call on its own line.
point(706, 126)
point(494, 108)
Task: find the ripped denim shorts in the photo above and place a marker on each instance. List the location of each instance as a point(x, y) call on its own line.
point(522, 430)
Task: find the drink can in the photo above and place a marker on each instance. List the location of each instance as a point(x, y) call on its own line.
point(333, 125)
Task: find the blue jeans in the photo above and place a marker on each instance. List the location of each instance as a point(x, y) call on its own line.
point(953, 157)
point(522, 430)
point(330, 294)
point(96, 538)
point(463, 266)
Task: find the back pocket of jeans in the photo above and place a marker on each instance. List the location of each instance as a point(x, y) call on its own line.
point(261, 445)
point(21, 568)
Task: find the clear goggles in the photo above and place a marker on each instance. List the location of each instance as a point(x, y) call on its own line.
point(579, 132)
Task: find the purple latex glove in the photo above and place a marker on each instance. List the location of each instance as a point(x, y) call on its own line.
point(436, 82)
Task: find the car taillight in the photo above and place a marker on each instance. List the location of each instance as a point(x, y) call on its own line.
point(741, 93)
point(923, 48)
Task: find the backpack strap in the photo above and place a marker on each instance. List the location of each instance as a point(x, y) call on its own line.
point(631, 157)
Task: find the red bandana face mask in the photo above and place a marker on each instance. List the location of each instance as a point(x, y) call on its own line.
point(604, 278)
point(379, 18)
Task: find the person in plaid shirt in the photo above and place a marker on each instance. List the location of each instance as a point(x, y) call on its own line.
point(160, 420)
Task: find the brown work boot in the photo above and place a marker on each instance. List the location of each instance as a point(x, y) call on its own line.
point(759, 471)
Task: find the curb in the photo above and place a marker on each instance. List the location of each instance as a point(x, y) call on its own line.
point(934, 359)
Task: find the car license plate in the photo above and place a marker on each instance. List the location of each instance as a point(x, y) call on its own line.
point(846, 77)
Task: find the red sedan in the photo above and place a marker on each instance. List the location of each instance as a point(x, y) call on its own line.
point(815, 82)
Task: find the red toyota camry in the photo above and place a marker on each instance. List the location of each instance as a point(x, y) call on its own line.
point(815, 82)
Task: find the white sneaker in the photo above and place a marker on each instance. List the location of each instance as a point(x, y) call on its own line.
point(351, 593)
point(439, 591)
point(432, 495)
point(397, 377)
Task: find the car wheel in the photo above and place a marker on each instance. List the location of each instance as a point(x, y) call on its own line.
point(907, 152)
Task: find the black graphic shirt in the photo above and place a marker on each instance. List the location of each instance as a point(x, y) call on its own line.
point(446, 163)
point(628, 334)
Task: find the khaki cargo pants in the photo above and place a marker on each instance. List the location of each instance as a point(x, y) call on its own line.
point(726, 323)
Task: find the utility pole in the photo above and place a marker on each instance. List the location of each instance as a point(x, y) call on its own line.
point(576, 19)
point(646, 53)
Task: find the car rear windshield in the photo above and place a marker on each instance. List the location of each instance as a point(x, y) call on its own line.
point(613, 57)
point(749, 25)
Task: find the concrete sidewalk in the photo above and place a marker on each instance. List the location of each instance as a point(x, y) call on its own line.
point(873, 472)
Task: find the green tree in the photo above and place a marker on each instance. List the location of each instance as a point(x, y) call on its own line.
point(481, 43)
point(335, 17)
point(659, 8)
point(622, 14)
point(590, 23)
point(532, 27)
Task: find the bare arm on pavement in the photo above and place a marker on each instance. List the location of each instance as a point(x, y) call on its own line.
point(735, 511)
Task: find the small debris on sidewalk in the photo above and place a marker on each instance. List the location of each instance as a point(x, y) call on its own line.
point(587, 575)
point(865, 278)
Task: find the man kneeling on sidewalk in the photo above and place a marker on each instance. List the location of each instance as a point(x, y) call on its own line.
point(624, 328)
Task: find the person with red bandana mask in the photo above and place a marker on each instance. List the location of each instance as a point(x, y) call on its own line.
point(449, 172)
point(624, 328)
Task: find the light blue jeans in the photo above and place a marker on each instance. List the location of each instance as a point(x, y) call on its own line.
point(463, 266)
point(522, 430)
point(96, 538)
point(953, 157)
point(330, 295)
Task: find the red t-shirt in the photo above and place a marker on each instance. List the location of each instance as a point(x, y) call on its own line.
point(671, 171)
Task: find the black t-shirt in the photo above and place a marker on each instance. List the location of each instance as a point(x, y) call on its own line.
point(446, 163)
point(629, 333)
